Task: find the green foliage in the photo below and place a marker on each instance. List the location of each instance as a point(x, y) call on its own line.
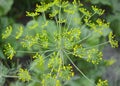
point(106, 2)
point(3, 73)
point(5, 6)
point(54, 39)
point(112, 3)
point(112, 14)
point(115, 23)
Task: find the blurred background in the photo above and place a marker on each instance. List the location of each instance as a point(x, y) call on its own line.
point(13, 12)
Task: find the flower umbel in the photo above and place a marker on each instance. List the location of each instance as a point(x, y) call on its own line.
point(113, 42)
point(29, 41)
point(32, 14)
point(19, 33)
point(102, 83)
point(7, 32)
point(69, 32)
point(9, 51)
point(97, 10)
point(24, 75)
point(66, 72)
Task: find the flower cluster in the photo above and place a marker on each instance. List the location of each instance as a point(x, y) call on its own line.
point(32, 14)
point(9, 51)
point(50, 81)
point(66, 72)
point(24, 75)
point(79, 51)
point(38, 64)
point(97, 26)
point(102, 83)
point(92, 55)
point(85, 12)
point(54, 72)
point(70, 37)
point(29, 41)
point(40, 59)
point(54, 62)
point(19, 33)
point(54, 13)
point(7, 32)
point(114, 43)
point(57, 40)
point(97, 10)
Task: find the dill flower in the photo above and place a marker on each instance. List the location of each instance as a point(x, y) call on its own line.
point(29, 41)
point(60, 41)
point(102, 83)
point(7, 32)
point(113, 42)
point(9, 51)
point(31, 14)
point(19, 33)
point(97, 10)
point(24, 75)
point(66, 72)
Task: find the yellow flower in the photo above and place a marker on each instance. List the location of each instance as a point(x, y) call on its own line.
point(66, 72)
point(9, 51)
point(102, 83)
point(85, 12)
point(94, 56)
point(24, 75)
point(29, 41)
point(114, 43)
point(31, 14)
point(97, 10)
point(54, 13)
point(19, 33)
point(7, 32)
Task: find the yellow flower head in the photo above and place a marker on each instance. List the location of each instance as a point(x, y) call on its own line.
point(102, 83)
point(19, 33)
point(9, 51)
point(24, 75)
point(7, 32)
point(114, 43)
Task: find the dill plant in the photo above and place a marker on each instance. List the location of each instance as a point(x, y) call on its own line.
point(53, 40)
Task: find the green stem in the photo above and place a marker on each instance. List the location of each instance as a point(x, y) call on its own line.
point(25, 52)
point(44, 16)
point(61, 56)
point(48, 55)
point(104, 43)
point(55, 18)
point(79, 69)
point(92, 15)
point(66, 19)
point(59, 21)
point(9, 76)
point(84, 38)
point(82, 17)
point(70, 21)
